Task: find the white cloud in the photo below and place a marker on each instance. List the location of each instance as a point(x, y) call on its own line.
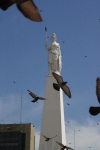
point(9, 105)
point(88, 136)
point(85, 136)
point(38, 108)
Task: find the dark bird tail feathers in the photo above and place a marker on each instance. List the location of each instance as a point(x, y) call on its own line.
point(56, 87)
point(94, 110)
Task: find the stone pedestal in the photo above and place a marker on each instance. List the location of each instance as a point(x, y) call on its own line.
point(53, 121)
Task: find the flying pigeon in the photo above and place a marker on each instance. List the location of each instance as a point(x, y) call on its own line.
point(68, 104)
point(36, 98)
point(47, 139)
point(61, 84)
point(26, 7)
point(93, 109)
point(63, 146)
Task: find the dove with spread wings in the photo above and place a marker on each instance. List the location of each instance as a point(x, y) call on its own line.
point(46, 138)
point(36, 98)
point(63, 146)
point(26, 7)
point(93, 109)
point(61, 84)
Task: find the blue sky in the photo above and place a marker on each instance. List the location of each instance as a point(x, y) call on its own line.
point(23, 59)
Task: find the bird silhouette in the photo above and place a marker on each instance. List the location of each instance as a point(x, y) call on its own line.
point(63, 146)
point(68, 104)
point(36, 98)
point(95, 110)
point(46, 138)
point(61, 84)
point(26, 7)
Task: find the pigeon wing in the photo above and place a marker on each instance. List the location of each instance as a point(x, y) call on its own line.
point(60, 144)
point(98, 89)
point(4, 4)
point(30, 10)
point(53, 137)
point(94, 110)
point(34, 100)
point(56, 87)
point(69, 148)
point(41, 98)
point(57, 77)
point(32, 94)
point(44, 136)
point(66, 90)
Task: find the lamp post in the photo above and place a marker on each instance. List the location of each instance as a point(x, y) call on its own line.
point(74, 137)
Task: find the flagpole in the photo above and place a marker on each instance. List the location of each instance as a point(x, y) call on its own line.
point(46, 35)
point(47, 43)
point(74, 138)
point(21, 110)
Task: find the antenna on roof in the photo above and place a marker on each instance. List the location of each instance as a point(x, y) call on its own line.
point(21, 110)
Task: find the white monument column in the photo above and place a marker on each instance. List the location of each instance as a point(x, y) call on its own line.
point(53, 121)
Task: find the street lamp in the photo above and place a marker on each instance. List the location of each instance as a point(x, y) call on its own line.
point(74, 137)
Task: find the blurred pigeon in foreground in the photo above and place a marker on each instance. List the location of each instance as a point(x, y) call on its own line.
point(63, 146)
point(61, 84)
point(26, 7)
point(47, 139)
point(36, 98)
point(98, 89)
point(93, 109)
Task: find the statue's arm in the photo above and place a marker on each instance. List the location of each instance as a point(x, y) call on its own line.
point(47, 47)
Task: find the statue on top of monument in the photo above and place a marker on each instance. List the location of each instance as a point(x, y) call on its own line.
point(54, 58)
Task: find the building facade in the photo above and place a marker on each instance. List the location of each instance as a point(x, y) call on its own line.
point(17, 137)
